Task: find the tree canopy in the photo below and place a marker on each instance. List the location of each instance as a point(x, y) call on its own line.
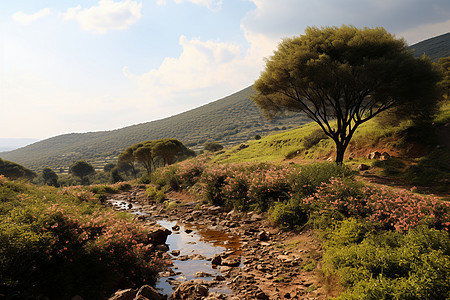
point(151, 153)
point(50, 177)
point(82, 169)
point(343, 77)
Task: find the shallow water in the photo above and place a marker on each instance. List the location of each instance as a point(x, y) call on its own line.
point(205, 242)
point(200, 240)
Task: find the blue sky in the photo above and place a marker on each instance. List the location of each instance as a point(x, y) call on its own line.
point(91, 65)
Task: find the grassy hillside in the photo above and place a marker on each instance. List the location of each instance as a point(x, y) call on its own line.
point(435, 48)
point(229, 121)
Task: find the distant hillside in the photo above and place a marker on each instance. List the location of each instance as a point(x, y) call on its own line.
point(229, 121)
point(435, 47)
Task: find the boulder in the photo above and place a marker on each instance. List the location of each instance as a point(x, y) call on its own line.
point(363, 167)
point(190, 290)
point(159, 236)
point(128, 294)
point(150, 293)
point(374, 155)
point(385, 156)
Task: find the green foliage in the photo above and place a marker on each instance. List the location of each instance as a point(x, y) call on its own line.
point(345, 76)
point(50, 177)
point(15, 171)
point(389, 265)
point(290, 214)
point(391, 166)
point(156, 194)
point(431, 170)
point(58, 243)
point(82, 169)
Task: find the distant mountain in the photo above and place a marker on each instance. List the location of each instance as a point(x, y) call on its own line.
point(9, 144)
point(229, 121)
point(435, 47)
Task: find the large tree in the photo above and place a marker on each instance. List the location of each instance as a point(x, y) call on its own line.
point(343, 77)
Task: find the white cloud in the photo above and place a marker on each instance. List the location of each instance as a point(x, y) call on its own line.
point(285, 18)
point(424, 32)
point(108, 15)
point(26, 19)
point(200, 66)
point(214, 5)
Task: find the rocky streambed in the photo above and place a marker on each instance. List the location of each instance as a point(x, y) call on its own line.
point(219, 254)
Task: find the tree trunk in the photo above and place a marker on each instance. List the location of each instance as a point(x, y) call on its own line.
point(340, 150)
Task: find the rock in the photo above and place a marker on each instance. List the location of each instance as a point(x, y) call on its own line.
point(159, 236)
point(150, 293)
point(175, 252)
point(363, 167)
point(263, 236)
point(188, 231)
point(219, 278)
point(261, 295)
point(385, 156)
point(216, 260)
point(243, 146)
point(374, 155)
point(233, 261)
point(127, 294)
point(215, 210)
point(176, 228)
point(190, 290)
point(330, 158)
point(202, 274)
point(162, 247)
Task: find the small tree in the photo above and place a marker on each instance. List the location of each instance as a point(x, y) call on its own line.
point(167, 150)
point(343, 77)
point(50, 177)
point(444, 64)
point(145, 155)
point(127, 158)
point(82, 170)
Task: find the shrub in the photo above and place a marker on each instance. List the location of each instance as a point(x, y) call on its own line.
point(56, 238)
point(154, 193)
point(306, 181)
point(389, 265)
point(289, 214)
point(399, 210)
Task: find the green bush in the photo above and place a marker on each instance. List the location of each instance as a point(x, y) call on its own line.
point(155, 193)
point(390, 166)
point(389, 265)
point(57, 243)
point(310, 177)
point(289, 214)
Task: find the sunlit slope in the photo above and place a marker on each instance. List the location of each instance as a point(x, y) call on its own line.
point(229, 121)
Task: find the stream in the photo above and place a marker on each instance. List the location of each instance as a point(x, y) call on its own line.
point(196, 244)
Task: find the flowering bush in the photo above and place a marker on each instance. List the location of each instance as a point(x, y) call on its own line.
point(54, 238)
point(399, 210)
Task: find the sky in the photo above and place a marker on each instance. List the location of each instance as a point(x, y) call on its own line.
point(94, 65)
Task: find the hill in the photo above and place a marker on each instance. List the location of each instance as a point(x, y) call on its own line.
point(435, 47)
point(229, 121)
